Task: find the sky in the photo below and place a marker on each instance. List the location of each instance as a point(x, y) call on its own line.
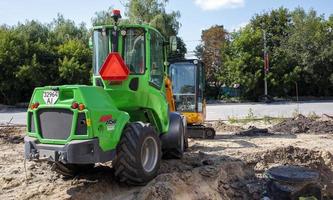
point(196, 15)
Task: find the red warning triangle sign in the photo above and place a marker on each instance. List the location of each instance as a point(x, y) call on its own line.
point(114, 68)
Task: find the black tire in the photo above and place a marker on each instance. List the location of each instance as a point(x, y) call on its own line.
point(129, 165)
point(178, 151)
point(185, 137)
point(209, 133)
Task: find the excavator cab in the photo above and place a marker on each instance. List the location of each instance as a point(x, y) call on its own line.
point(188, 83)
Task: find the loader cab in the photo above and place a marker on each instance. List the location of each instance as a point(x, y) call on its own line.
point(142, 49)
point(187, 78)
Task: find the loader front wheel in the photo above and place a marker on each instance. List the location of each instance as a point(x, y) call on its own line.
point(138, 154)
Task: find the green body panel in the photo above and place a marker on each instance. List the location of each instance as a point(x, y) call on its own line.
point(147, 103)
point(148, 98)
point(97, 104)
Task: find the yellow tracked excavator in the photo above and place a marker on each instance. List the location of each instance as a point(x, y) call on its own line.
point(185, 93)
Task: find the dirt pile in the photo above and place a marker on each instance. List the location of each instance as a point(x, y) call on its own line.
point(198, 175)
point(321, 161)
point(302, 124)
point(11, 134)
point(228, 179)
point(254, 131)
point(325, 117)
point(208, 170)
point(221, 126)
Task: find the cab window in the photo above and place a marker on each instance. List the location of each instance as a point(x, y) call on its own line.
point(156, 59)
point(101, 49)
point(134, 50)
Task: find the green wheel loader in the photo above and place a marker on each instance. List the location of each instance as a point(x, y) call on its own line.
point(123, 117)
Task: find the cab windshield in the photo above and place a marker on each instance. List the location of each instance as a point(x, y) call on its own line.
point(183, 85)
point(133, 48)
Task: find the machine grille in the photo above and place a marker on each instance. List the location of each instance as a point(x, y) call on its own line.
point(55, 123)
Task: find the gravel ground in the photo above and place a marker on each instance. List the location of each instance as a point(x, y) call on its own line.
point(228, 167)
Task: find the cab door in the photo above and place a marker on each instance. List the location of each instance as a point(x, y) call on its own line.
point(156, 60)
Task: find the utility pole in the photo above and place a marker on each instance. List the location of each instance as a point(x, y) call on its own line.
point(266, 63)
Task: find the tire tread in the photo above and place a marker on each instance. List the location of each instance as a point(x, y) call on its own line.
point(127, 166)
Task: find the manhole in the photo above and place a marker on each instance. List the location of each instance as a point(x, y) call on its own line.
point(293, 174)
point(293, 183)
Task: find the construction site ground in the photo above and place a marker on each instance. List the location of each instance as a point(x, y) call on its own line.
point(232, 166)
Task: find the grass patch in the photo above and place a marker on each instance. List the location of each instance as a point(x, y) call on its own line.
point(313, 116)
point(246, 120)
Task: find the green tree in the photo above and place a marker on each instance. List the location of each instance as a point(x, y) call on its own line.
point(243, 61)
point(33, 54)
point(300, 51)
point(150, 12)
point(213, 43)
point(75, 62)
point(103, 17)
point(153, 12)
point(310, 45)
point(10, 59)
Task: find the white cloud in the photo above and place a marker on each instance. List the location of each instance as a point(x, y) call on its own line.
point(216, 4)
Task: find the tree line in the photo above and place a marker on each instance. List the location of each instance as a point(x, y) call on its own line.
point(33, 54)
point(299, 44)
point(300, 48)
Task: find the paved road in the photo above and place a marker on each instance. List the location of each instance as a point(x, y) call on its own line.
point(220, 111)
point(223, 111)
point(14, 116)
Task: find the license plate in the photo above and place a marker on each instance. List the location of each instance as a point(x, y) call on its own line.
point(50, 96)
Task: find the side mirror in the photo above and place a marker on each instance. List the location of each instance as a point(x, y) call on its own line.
point(91, 43)
point(173, 43)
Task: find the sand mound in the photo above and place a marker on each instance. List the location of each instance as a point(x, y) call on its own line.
point(220, 126)
point(197, 176)
point(229, 180)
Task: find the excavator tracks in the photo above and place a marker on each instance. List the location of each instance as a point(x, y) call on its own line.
point(200, 131)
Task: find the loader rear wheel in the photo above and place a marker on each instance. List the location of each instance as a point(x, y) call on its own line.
point(179, 151)
point(179, 139)
point(185, 137)
point(138, 154)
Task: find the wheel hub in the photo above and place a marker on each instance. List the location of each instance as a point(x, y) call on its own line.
point(149, 154)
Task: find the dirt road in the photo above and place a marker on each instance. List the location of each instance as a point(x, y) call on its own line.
point(228, 167)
